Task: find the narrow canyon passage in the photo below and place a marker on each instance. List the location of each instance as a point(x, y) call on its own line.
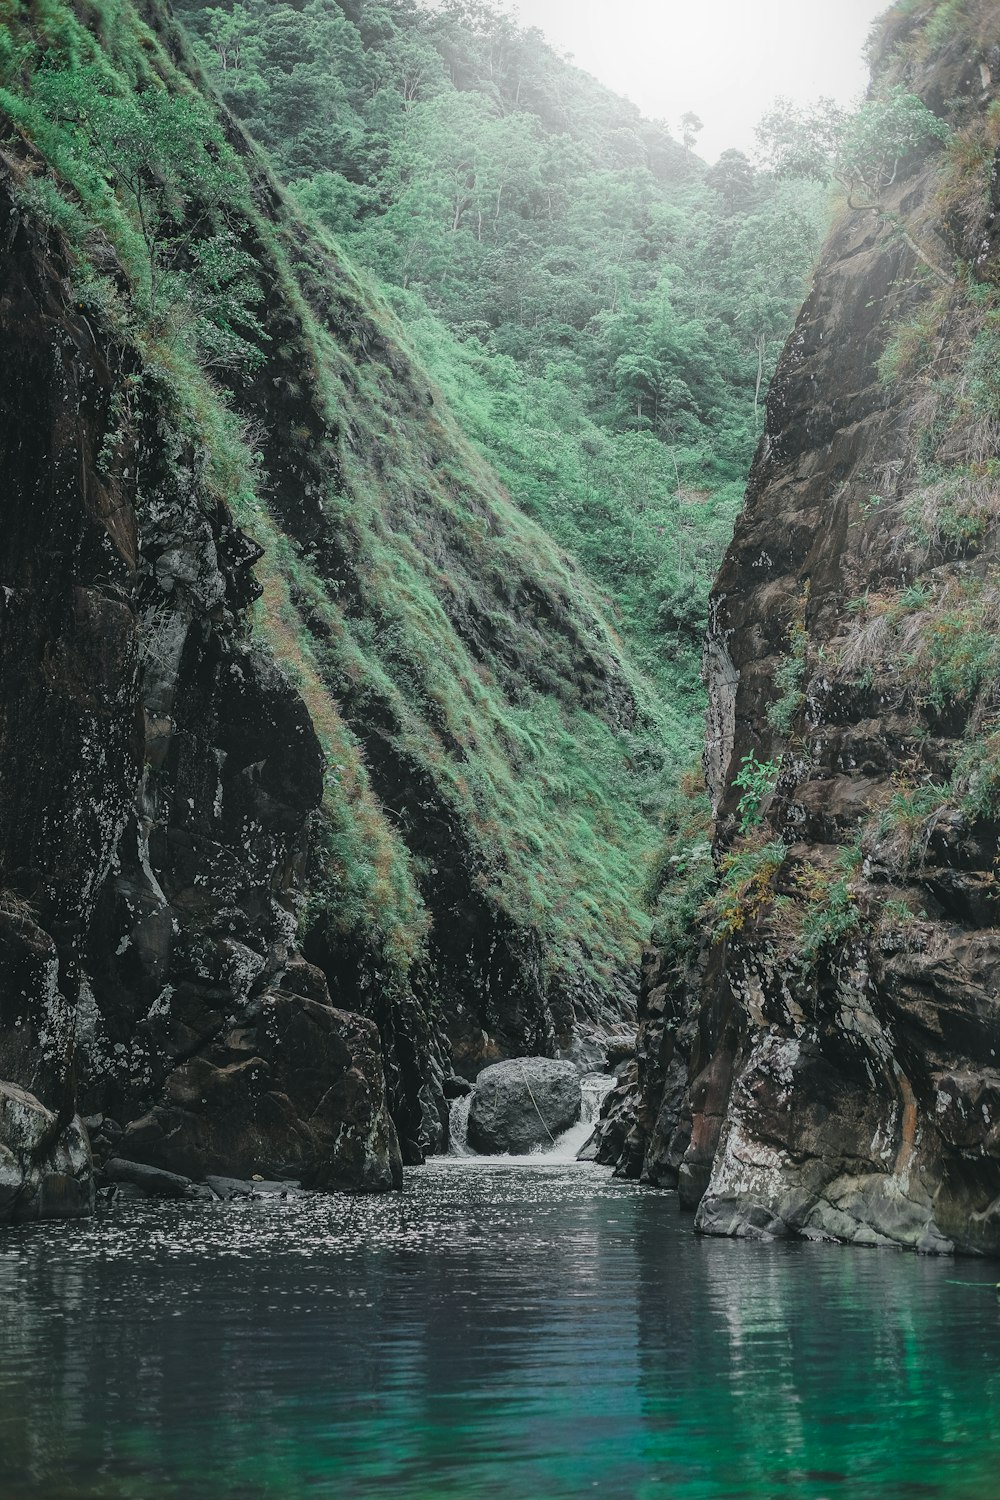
point(499, 750)
point(496, 1329)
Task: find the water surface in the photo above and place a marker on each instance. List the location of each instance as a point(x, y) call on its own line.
point(512, 1332)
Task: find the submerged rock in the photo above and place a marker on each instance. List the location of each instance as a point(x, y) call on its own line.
point(232, 1187)
point(45, 1172)
point(520, 1105)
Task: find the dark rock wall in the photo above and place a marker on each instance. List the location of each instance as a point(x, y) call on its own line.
point(828, 1065)
point(156, 777)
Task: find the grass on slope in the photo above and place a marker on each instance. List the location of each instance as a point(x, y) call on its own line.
point(541, 741)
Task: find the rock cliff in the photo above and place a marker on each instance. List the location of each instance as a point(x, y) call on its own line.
point(283, 670)
point(824, 1062)
point(156, 778)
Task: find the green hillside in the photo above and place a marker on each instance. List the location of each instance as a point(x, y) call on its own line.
point(490, 475)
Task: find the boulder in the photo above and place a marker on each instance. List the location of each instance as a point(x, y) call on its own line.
point(296, 1093)
point(520, 1105)
point(45, 1173)
point(150, 1180)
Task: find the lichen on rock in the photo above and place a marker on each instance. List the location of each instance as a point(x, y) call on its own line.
point(46, 1171)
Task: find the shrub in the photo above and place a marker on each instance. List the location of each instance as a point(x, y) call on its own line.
point(745, 888)
point(881, 135)
point(684, 872)
point(790, 680)
point(830, 911)
point(757, 779)
point(962, 655)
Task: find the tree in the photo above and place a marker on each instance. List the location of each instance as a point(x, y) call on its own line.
point(800, 141)
point(771, 255)
point(232, 36)
point(337, 204)
point(691, 128)
point(864, 151)
point(733, 178)
point(875, 142)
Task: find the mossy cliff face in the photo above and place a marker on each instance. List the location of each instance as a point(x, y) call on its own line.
point(156, 777)
point(282, 669)
point(828, 1064)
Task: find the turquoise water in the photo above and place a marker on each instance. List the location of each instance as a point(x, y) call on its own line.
point(512, 1333)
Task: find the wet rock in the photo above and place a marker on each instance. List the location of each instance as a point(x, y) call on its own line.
point(520, 1105)
point(586, 1050)
point(588, 1151)
point(227, 1188)
point(620, 1049)
point(150, 1180)
point(617, 1125)
point(295, 1092)
point(472, 1048)
point(45, 1170)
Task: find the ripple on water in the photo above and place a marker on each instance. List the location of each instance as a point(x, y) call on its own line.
point(527, 1332)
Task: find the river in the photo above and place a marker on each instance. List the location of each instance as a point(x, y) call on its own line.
point(506, 1331)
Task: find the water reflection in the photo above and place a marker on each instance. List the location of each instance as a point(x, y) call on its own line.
point(504, 1331)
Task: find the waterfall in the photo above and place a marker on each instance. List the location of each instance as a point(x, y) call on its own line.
point(458, 1125)
point(595, 1088)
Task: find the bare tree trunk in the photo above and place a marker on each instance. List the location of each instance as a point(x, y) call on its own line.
point(890, 218)
point(760, 344)
point(921, 255)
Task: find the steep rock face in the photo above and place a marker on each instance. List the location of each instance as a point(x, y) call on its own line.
point(838, 1036)
point(157, 771)
point(474, 607)
point(45, 1167)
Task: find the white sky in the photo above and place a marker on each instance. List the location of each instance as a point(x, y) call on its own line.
point(725, 59)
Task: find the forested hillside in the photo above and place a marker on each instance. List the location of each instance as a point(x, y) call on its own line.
point(603, 312)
